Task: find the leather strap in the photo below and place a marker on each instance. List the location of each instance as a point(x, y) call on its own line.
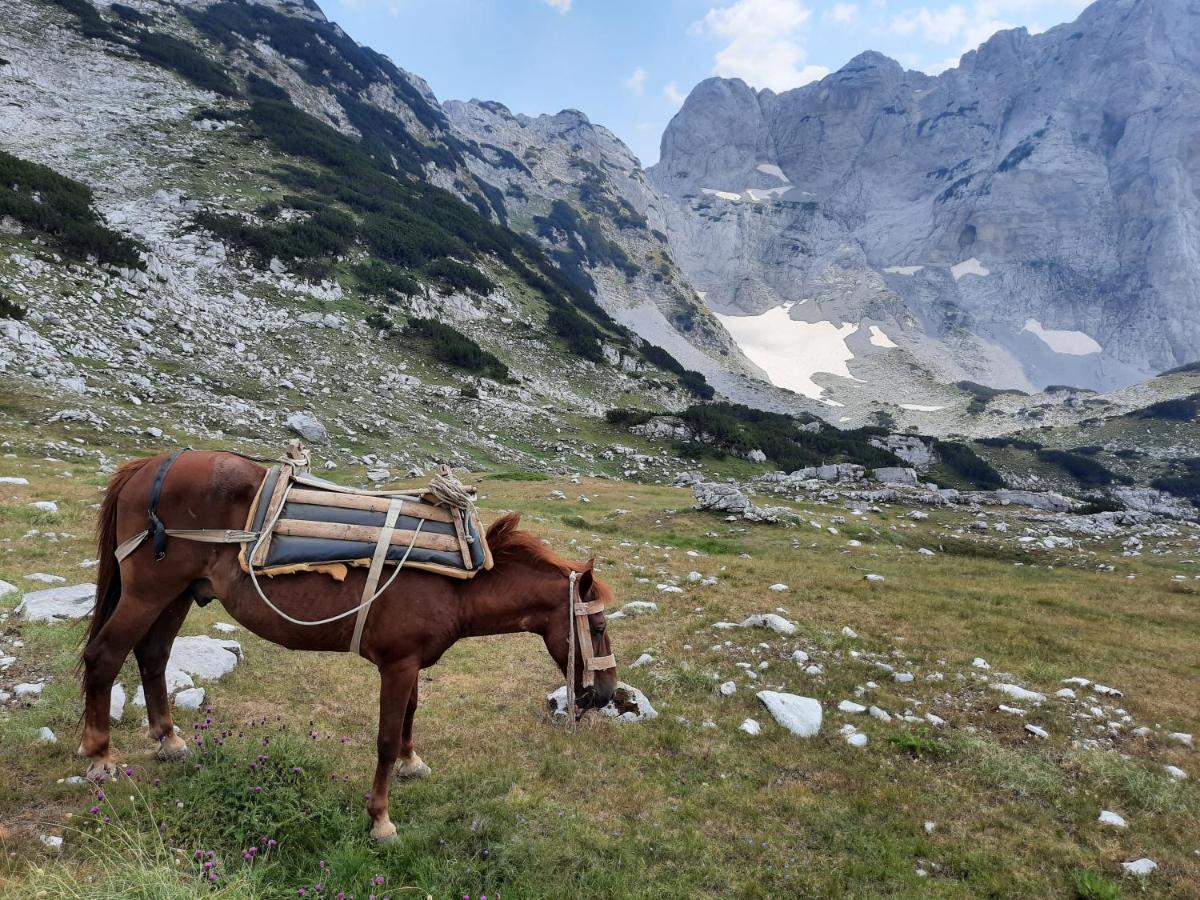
point(154, 526)
point(204, 535)
point(377, 561)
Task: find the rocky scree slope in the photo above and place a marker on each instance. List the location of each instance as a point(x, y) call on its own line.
point(218, 215)
point(1023, 220)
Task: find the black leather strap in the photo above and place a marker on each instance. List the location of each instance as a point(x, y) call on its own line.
point(155, 527)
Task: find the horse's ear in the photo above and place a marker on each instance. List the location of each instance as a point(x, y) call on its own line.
point(586, 577)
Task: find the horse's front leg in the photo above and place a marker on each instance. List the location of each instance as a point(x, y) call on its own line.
point(411, 765)
point(397, 680)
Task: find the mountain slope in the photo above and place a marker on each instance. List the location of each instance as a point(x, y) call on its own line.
point(1026, 219)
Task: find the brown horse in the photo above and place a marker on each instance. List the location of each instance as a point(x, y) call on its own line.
point(142, 601)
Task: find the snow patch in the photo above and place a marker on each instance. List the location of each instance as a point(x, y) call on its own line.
point(970, 266)
point(771, 169)
point(903, 270)
point(790, 351)
point(1071, 343)
point(917, 407)
point(724, 195)
point(879, 339)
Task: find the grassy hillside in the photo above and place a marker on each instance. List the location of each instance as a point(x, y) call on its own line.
point(685, 805)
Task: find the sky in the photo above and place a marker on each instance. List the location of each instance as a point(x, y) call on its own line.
point(629, 64)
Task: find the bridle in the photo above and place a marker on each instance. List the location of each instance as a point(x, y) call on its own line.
point(579, 633)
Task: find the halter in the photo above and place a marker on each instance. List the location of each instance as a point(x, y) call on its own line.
point(577, 628)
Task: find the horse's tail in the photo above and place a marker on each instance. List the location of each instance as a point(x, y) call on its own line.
point(108, 573)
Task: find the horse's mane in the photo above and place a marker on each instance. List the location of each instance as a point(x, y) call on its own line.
point(508, 543)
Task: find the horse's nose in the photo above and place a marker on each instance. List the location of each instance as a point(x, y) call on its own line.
point(605, 687)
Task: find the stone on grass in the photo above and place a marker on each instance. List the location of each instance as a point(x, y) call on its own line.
point(46, 506)
point(799, 656)
point(1037, 731)
point(192, 698)
point(770, 620)
point(779, 588)
point(980, 663)
point(882, 715)
point(814, 669)
point(224, 627)
point(53, 841)
point(1140, 867)
point(1011, 710)
point(1175, 772)
point(116, 703)
point(1065, 694)
point(903, 677)
point(46, 736)
point(308, 427)
point(15, 480)
point(750, 726)
point(799, 715)
point(1106, 691)
point(669, 589)
point(45, 578)
point(1107, 817)
point(849, 632)
point(57, 604)
point(6, 589)
point(1180, 737)
point(727, 689)
point(858, 739)
point(872, 576)
point(644, 660)
point(1019, 693)
point(637, 607)
point(28, 689)
point(849, 706)
point(204, 657)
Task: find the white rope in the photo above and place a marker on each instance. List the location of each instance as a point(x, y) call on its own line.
point(572, 721)
point(279, 612)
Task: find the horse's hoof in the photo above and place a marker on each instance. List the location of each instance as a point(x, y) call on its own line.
point(413, 768)
point(101, 771)
point(172, 749)
point(383, 832)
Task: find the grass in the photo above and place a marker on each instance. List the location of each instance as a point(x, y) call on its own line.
point(520, 808)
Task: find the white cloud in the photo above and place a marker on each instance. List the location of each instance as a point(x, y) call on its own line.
point(842, 13)
point(563, 6)
point(671, 92)
point(762, 43)
point(637, 81)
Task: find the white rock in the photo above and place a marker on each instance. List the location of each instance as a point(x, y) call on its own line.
point(1111, 818)
point(727, 689)
point(46, 506)
point(903, 677)
point(139, 698)
point(858, 739)
point(644, 660)
point(28, 689)
point(1018, 693)
point(779, 588)
point(203, 657)
point(871, 576)
point(116, 704)
point(814, 669)
point(925, 551)
point(936, 721)
point(1180, 737)
point(849, 632)
point(46, 736)
point(224, 627)
point(1037, 731)
point(637, 607)
point(1011, 710)
point(192, 698)
point(1065, 693)
point(799, 656)
point(849, 706)
point(53, 841)
point(55, 604)
point(1175, 772)
point(1106, 691)
point(6, 589)
point(14, 480)
point(980, 663)
point(799, 715)
point(1141, 867)
point(930, 826)
point(750, 726)
point(770, 620)
point(1077, 681)
point(628, 704)
point(45, 578)
point(669, 589)
point(882, 715)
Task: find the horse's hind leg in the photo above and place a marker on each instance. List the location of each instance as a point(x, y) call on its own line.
point(152, 653)
point(396, 682)
point(102, 661)
point(411, 765)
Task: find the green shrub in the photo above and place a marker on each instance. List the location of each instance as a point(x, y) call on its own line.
point(1094, 886)
point(60, 208)
point(379, 278)
point(185, 60)
point(11, 309)
point(627, 417)
point(322, 236)
point(451, 346)
point(1001, 442)
point(453, 276)
point(1185, 486)
point(1082, 468)
point(1180, 410)
point(966, 464)
point(91, 24)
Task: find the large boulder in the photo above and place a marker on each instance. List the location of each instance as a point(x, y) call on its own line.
point(59, 603)
point(308, 427)
point(627, 705)
point(799, 715)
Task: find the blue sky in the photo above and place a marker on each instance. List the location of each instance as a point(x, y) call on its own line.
point(629, 64)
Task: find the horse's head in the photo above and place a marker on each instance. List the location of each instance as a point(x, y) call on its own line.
point(584, 599)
